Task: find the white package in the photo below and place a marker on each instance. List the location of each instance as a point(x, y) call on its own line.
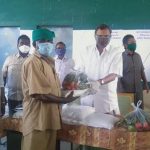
point(75, 114)
point(100, 120)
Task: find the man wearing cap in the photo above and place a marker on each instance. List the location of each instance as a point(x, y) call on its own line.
point(41, 89)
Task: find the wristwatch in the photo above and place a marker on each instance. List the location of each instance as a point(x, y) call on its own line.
point(102, 82)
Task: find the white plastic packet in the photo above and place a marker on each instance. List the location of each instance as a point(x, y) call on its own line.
point(101, 120)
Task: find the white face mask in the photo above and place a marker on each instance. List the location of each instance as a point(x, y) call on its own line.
point(24, 49)
point(45, 49)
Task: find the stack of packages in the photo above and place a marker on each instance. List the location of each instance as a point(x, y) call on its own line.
point(74, 113)
point(137, 120)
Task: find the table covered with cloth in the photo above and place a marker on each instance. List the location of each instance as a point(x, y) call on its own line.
point(114, 139)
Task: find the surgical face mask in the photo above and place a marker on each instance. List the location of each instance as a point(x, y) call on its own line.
point(24, 49)
point(131, 47)
point(45, 49)
point(102, 41)
point(60, 52)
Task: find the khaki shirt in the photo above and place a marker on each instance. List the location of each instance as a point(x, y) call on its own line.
point(12, 71)
point(39, 77)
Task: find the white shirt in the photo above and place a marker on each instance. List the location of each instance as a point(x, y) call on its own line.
point(97, 66)
point(63, 67)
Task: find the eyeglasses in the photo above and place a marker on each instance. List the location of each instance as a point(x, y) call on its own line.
point(103, 36)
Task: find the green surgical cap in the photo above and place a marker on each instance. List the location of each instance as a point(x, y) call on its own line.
point(42, 34)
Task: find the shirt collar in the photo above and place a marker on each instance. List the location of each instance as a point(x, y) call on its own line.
point(37, 54)
point(56, 58)
point(18, 55)
point(107, 48)
point(128, 54)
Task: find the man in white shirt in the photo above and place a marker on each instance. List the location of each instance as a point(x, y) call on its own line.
point(102, 63)
point(63, 65)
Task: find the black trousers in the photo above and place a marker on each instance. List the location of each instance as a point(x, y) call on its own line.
point(139, 96)
point(12, 104)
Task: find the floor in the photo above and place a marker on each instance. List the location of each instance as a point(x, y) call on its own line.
point(64, 145)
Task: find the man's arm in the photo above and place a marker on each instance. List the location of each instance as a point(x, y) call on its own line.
point(4, 79)
point(145, 81)
point(2, 101)
point(108, 78)
point(49, 98)
point(4, 73)
point(5, 69)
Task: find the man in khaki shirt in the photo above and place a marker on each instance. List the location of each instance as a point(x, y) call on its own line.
point(12, 73)
point(41, 90)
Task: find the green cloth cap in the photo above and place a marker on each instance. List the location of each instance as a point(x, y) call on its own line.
point(42, 34)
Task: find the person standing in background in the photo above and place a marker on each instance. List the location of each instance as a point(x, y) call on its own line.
point(133, 71)
point(63, 65)
point(42, 95)
point(2, 97)
point(12, 73)
point(102, 63)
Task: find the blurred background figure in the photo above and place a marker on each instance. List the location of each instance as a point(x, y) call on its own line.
point(2, 97)
point(12, 73)
point(63, 65)
point(133, 71)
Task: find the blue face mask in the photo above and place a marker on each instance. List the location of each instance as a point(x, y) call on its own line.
point(60, 52)
point(45, 49)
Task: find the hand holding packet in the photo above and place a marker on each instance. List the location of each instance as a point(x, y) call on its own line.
point(95, 85)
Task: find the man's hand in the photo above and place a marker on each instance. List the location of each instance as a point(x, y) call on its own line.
point(89, 91)
point(147, 88)
point(49, 98)
point(70, 98)
point(95, 85)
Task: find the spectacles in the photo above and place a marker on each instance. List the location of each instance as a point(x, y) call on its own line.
point(103, 36)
